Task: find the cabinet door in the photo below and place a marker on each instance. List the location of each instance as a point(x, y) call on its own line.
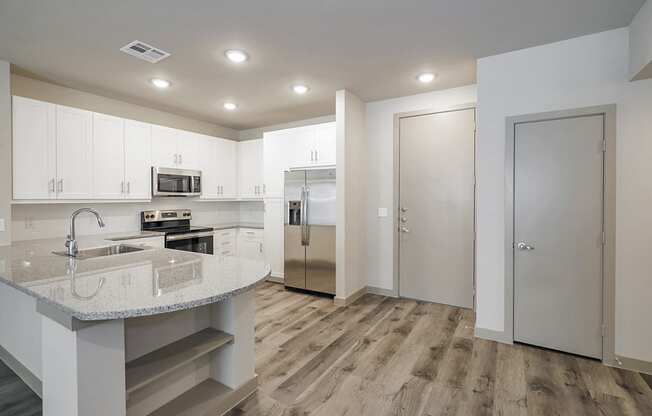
point(209, 167)
point(250, 161)
point(138, 160)
point(74, 153)
point(227, 168)
point(250, 249)
point(325, 144)
point(164, 147)
point(273, 235)
point(188, 150)
point(301, 146)
point(34, 150)
point(275, 163)
point(108, 157)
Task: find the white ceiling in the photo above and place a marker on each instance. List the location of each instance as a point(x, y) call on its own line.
point(373, 47)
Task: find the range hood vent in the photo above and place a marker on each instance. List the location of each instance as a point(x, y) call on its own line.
point(144, 51)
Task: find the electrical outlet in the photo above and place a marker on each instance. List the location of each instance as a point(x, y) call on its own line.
point(382, 212)
point(2, 224)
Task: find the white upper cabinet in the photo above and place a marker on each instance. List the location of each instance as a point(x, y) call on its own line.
point(325, 144)
point(188, 150)
point(138, 160)
point(276, 146)
point(164, 147)
point(34, 150)
point(74, 153)
point(311, 146)
point(227, 168)
point(250, 169)
point(108, 157)
point(208, 166)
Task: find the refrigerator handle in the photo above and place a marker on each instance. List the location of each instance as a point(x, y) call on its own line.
point(302, 209)
point(307, 210)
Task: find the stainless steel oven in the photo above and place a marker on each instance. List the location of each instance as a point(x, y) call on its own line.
point(175, 182)
point(197, 242)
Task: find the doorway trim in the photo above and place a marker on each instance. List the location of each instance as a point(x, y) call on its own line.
point(397, 191)
point(609, 218)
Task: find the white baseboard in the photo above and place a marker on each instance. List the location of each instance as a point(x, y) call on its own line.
point(351, 298)
point(632, 364)
point(492, 335)
point(275, 279)
point(381, 291)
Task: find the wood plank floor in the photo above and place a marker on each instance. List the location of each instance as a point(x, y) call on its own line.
point(16, 399)
point(384, 356)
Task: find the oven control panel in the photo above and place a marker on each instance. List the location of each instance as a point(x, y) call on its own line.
point(166, 215)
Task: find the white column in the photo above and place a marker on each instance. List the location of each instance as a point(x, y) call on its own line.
point(84, 369)
point(235, 364)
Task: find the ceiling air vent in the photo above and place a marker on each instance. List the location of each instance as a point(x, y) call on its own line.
point(144, 51)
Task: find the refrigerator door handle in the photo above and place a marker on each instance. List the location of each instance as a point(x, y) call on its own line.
point(303, 216)
point(307, 210)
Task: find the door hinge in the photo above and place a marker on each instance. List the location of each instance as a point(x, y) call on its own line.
point(604, 239)
point(604, 146)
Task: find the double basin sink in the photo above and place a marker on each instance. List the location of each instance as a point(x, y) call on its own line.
point(111, 250)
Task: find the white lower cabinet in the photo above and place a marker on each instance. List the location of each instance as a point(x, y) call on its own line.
point(250, 244)
point(224, 242)
point(274, 235)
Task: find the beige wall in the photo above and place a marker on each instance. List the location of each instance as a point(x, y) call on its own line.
point(351, 237)
point(640, 39)
point(254, 134)
point(5, 153)
point(31, 88)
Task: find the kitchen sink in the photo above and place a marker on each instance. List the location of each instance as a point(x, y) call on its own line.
point(102, 251)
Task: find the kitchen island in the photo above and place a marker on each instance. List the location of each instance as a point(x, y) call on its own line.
point(152, 331)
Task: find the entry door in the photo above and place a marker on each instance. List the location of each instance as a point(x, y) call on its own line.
point(436, 218)
point(558, 200)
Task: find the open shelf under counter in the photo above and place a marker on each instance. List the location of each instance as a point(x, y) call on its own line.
point(159, 363)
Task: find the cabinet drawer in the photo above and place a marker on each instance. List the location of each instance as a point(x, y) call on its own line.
point(225, 252)
point(229, 233)
point(251, 234)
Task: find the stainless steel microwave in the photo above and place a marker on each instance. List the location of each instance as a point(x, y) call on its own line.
point(175, 182)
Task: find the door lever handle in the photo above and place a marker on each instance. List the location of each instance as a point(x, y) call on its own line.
point(524, 247)
point(405, 230)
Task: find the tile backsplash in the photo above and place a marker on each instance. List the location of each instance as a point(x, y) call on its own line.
point(52, 220)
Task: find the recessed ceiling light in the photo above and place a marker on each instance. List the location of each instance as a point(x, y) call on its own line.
point(300, 89)
point(230, 106)
point(236, 55)
point(160, 83)
point(426, 77)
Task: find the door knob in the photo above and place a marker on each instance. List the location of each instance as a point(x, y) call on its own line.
point(403, 209)
point(524, 247)
point(405, 230)
point(403, 219)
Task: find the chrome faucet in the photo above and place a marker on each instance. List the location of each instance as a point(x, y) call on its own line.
point(71, 242)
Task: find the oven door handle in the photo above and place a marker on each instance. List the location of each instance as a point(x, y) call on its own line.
point(188, 236)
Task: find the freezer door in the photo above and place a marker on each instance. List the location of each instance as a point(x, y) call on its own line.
point(295, 258)
point(320, 208)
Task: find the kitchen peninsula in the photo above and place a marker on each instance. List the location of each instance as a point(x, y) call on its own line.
point(152, 331)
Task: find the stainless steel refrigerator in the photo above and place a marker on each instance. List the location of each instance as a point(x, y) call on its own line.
point(310, 230)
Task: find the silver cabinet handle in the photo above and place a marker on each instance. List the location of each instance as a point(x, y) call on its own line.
point(264, 190)
point(316, 155)
point(128, 187)
point(122, 187)
point(180, 159)
point(60, 185)
point(176, 159)
point(524, 246)
point(51, 185)
point(260, 247)
point(405, 230)
point(312, 156)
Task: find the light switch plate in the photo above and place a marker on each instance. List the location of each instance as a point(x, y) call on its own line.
point(382, 212)
point(2, 224)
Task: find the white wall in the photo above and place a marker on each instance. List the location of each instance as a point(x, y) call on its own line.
point(380, 176)
point(351, 237)
point(51, 220)
point(640, 60)
point(257, 133)
point(5, 153)
point(586, 71)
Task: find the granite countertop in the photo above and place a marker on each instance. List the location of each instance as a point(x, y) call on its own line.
point(133, 235)
point(147, 282)
point(225, 226)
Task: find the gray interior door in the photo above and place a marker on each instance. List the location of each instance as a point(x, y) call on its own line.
point(437, 203)
point(558, 200)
